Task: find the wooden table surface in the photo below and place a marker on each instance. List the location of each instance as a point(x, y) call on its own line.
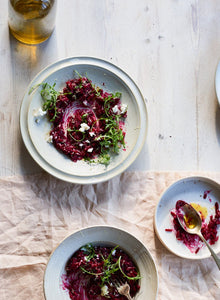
point(171, 50)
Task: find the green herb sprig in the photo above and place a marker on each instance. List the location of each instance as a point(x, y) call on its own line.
point(69, 130)
point(49, 95)
point(109, 268)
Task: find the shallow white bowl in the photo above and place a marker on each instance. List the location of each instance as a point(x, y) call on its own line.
point(102, 235)
point(190, 189)
point(35, 134)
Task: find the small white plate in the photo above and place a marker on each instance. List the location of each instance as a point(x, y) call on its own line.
point(217, 82)
point(35, 134)
point(189, 189)
point(102, 235)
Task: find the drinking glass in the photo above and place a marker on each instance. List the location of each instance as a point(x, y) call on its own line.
point(31, 21)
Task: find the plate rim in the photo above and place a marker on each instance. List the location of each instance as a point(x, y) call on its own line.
point(109, 227)
point(90, 179)
point(188, 178)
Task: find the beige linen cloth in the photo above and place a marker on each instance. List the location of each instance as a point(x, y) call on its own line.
point(38, 211)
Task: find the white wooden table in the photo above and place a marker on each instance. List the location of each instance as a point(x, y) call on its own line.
point(170, 48)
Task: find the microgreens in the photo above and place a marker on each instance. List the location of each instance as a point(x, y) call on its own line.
point(84, 117)
point(108, 100)
point(49, 95)
point(89, 250)
point(109, 267)
point(69, 130)
point(79, 86)
point(77, 73)
point(114, 137)
point(104, 159)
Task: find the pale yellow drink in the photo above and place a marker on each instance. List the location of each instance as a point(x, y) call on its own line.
point(32, 21)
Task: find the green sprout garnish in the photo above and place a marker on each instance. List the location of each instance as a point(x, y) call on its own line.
point(104, 159)
point(114, 137)
point(84, 118)
point(128, 277)
point(89, 250)
point(69, 130)
point(109, 267)
point(49, 95)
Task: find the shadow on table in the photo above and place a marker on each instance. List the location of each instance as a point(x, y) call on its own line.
point(26, 62)
point(27, 164)
point(217, 122)
point(27, 59)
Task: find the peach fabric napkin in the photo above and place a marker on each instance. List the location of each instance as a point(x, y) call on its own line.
point(38, 211)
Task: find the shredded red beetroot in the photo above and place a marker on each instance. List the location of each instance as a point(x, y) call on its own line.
point(192, 241)
point(209, 230)
point(88, 277)
point(206, 194)
point(87, 122)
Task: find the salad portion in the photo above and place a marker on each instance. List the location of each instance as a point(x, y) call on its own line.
point(209, 229)
point(91, 271)
point(88, 123)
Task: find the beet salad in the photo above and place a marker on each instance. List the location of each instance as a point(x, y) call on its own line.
point(92, 271)
point(209, 227)
point(87, 122)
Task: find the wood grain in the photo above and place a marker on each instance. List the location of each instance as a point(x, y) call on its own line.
point(170, 48)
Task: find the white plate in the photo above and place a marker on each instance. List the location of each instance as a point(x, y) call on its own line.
point(102, 235)
point(217, 82)
point(190, 189)
point(35, 135)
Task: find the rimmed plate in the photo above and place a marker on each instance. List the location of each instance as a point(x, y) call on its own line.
point(101, 73)
point(200, 190)
point(101, 235)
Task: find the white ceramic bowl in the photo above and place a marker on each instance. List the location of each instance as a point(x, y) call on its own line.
point(35, 135)
point(190, 189)
point(102, 235)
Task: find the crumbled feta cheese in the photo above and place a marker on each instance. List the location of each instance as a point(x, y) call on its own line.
point(124, 108)
point(91, 133)
point(115, 109)
point(87, 141)
point(50, 139)
point(81, 145)
point(90, 150)
point(84, 127)
point(104, 290)
point(39, 112)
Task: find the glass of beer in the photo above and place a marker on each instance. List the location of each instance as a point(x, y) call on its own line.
point(32, 21)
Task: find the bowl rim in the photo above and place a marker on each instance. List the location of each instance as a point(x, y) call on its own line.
point(96, 227)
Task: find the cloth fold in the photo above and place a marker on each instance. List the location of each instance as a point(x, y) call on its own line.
point(38, 211)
